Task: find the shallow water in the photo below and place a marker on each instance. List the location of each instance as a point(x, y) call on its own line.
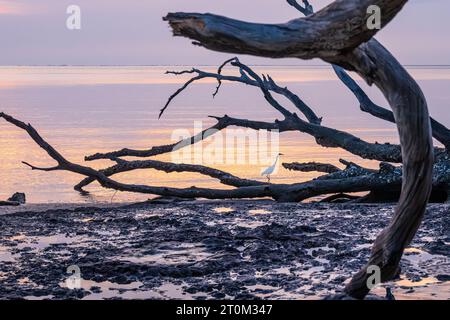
point(191, 251)
point(83, 110)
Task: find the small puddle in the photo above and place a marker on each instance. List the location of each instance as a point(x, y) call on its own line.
point(309, 272)
point(41, 243)
point(259, 211)
point(223, 210)
point(132, 291)
point(293, 270)
point(425, 262)
point(311, 251)
point(438, 291)
point(422, 260)
point(423, 282)
point(28, 283)
point(6, 256)
point(107, 289)
point(272, 292)
point(37, 244)
point(363, 246)
point(141, 214)
point(39, 298)
point(18, 237)
point(180, 254)
point(248, 224)
point(327, 248)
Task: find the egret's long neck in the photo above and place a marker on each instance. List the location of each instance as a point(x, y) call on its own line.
point(276, 160)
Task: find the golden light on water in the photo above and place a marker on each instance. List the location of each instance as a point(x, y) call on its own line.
point(85, 110)
point(17, 147)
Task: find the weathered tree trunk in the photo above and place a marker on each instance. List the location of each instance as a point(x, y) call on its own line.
point(413, 122)
point(337, 34)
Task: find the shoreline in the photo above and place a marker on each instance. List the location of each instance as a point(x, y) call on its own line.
point(211, 250)
point(163, 201)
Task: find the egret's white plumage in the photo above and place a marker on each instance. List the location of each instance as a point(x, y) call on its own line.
point(267, 172)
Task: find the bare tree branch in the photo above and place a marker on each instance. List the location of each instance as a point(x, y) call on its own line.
point(222, 123)
point(193, 192)
point(311, 166)
point(352, 179)
point(325, 34)
point(168, 167)
point(327, 137)
point(41, 168)
point(255, 80)
point(348, 180)
point(266, 82)
point(440, 132)
point(338, 34)
point(178, 92)
point(306, 10)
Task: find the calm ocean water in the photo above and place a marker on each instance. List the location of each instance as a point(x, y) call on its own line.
point(83, 110)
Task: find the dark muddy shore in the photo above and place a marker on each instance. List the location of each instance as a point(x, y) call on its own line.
point(212, 250)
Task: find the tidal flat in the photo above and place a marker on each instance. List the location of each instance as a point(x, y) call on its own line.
point(211, 250)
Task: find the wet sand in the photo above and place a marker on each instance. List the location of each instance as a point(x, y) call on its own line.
point(210, 250)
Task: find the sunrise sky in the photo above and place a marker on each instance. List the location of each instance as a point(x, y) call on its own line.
point(131, 32)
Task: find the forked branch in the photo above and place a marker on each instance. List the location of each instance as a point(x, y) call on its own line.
point(325, 136)
point(339, 34)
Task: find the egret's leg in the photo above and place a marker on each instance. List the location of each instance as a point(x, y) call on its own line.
point(268, 178)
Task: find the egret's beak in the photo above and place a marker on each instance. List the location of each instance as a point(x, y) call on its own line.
point(281, 154)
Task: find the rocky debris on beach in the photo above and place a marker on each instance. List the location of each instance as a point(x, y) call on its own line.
point(213, 250)
point(16, 199)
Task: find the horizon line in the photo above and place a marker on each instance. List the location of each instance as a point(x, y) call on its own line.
point(199, 65)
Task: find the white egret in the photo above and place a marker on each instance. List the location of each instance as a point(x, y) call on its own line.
point(267, 172)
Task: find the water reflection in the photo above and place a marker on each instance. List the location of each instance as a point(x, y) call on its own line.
point(84, 110)
point(223, 210)
point(259, 211)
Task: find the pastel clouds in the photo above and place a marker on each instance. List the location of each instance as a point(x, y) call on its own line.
point(118, 32)
point(12, 8)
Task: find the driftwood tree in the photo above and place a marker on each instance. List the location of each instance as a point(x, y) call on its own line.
point(338, 34)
